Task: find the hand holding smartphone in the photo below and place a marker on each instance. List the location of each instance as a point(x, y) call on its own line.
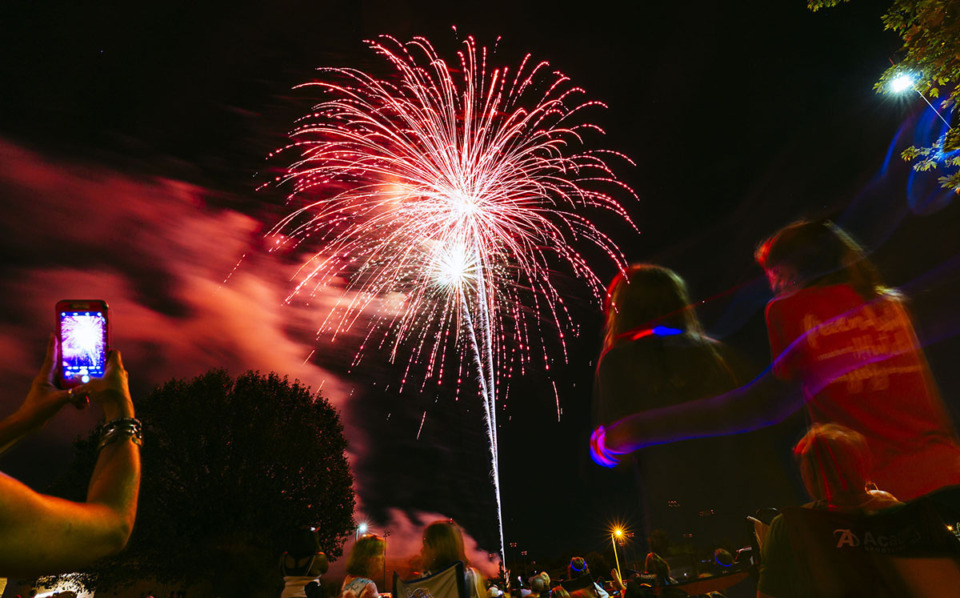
point(83, 333)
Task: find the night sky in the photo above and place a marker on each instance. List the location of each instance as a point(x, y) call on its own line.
point(133, 137)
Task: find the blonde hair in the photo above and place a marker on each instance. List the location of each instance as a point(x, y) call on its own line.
point(364, 550)
point(833, 460)
point(445, 539)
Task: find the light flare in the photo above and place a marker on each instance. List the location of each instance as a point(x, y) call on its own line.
point(902, 83)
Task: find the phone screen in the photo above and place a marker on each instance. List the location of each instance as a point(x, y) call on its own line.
point(83, 345)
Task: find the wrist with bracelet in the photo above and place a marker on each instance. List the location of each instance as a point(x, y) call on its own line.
point(121, 429)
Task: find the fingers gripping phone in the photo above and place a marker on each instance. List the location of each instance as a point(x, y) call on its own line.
point(83, 330)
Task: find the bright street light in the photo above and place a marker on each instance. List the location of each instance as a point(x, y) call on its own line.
point(902, 82)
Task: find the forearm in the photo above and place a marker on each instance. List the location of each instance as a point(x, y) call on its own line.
point(12, 429)
point(115, 485)
point(45, 534)
point(116, 477)
point(761, 403)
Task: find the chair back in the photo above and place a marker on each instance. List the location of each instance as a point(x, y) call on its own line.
point(448, 583)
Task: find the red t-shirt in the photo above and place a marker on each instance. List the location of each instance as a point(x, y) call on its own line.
point(861, 366)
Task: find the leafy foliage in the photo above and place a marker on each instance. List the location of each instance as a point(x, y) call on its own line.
point(230, 468)
point(816, 5)
point(930, 31)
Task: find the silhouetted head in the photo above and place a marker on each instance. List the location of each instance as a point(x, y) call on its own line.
point(577, 568)
point(645, 296)
point(304, 542)
point(366, 556)
point(816, 253)
point(834, 461)
point(538, 585)
point(442, 545)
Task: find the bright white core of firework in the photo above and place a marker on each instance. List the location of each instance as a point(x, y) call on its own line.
point(452, 265)
point(464, 206)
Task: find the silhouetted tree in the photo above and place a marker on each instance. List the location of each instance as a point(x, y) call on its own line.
point(230, 468)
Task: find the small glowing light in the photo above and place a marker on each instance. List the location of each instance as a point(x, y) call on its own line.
point(362, 528)
point(618, 532)
point(666, 331)
point(902, 82)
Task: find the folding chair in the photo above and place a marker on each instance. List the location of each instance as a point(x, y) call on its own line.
point(448, 583)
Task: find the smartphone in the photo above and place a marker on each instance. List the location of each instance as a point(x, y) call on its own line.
point(83, 329)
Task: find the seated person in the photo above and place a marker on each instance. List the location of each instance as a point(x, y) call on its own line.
point(655, 565)
point(540, 585)
point(835, 465)
point(303, 565)
point(442, 548)
point(580, 583)
point(365, 561)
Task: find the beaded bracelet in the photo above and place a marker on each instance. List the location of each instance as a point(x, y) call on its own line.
point(127, 427)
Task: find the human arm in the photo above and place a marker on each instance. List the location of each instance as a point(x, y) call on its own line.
point(369, 591)
point(802, 368)
point(692, 389)
point(43, 402)
point(44, 534)
point(763, 402)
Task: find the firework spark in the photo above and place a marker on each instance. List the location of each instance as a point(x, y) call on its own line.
point(445, 196)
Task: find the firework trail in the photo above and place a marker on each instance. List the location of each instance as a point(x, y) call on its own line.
point(442, 198)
